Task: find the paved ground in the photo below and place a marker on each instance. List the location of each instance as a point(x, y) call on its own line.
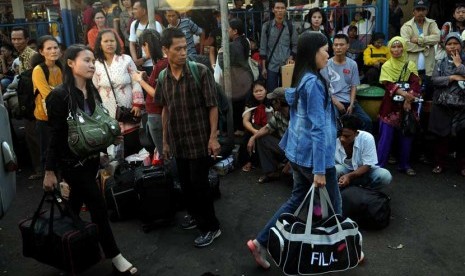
point(427, 219)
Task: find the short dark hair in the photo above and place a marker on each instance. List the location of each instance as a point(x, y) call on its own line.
point(142, 3)
point(351, 122)
point(315, 10)
point(94, 13)
point(24, 30)
point(168, 35)
point(280, 1)
point(377, 36)
point(341, 36)
point(8, 46)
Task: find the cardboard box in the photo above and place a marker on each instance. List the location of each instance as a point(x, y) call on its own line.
point(286, 75)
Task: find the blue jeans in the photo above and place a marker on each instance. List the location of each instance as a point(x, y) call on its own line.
point(155, 128)
point(272, 80)
point(361, 114)
point(303, 179)
point(377, 178)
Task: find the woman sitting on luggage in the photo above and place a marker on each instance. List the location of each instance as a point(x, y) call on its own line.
point(398, 67)
point(79, 173)
point(447, 122)
point(113, 78)
point(256, 115)
point(374, 56)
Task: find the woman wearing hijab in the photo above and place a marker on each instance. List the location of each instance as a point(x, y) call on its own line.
point(395, 70)
point(445, 121)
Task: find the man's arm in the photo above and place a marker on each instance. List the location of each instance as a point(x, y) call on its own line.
point(353, 94)
point(346, 178)
point(164, 122)
point(260, 133)
point(213, 145)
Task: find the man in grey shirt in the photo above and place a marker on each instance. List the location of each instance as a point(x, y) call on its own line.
point(278, 45)
point(341, 73)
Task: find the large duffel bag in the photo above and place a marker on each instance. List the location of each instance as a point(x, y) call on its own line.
point(307, 248)
point(370, 208)
point(155, 189)
point(60, 239)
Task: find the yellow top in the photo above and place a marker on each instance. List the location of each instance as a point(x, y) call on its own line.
point(371, 55)
point(44, 87)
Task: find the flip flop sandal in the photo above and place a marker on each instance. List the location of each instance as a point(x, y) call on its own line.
point(437, 170)
point(411, 172)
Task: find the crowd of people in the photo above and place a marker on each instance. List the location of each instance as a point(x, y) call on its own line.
point(170, 70)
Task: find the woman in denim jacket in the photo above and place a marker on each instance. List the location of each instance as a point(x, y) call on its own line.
point(310, 140)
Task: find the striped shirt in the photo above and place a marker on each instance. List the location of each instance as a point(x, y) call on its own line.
point(189, 28)
point(188, 108)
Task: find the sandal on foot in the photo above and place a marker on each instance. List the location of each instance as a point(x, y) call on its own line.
point(247, 167)
point(257, 254)
point(130, 271)
point(268, 178)
point(410, 172)
point(35, 176)
point(437, 170)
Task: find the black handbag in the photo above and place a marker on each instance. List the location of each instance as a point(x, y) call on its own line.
point(61, 240)
point(307, 247)
point(123, 114)
point(409, 125)
point(90, 134)
point(453, 97)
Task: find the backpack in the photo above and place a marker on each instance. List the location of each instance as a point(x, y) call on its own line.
point(192, 67)
point(26, 93)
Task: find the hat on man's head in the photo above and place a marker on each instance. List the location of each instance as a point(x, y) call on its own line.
point(421, 4)
point(278, 93)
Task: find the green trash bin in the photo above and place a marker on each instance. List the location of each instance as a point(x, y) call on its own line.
point(370, 98)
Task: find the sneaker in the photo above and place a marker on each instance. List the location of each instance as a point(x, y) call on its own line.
point(188, 223)
point(258, 253)
point(206, 239)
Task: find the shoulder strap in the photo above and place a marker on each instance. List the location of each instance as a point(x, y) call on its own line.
point(276, 43)
point(161, 76)
point(136, 25)
point(45, 70)
point(195, 72)
point(404, 70)
point(109, 80)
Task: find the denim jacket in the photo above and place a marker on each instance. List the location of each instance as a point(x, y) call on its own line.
point(310, 140)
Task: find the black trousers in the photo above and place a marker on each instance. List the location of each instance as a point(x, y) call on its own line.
point(84, 189)
point(193, 175)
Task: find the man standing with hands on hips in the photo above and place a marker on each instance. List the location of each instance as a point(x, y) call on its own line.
point(190, 120)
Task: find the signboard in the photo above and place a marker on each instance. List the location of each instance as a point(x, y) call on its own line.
point(183, 5)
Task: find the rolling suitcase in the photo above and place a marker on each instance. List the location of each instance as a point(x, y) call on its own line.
point(120, 196)
point(154, 188)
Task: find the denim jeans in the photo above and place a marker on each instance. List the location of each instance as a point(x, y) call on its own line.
point(155, 128)
point(303, 179)
point(272, 80)
point(377, 178)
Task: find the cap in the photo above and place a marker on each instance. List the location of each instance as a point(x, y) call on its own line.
point(277, 93)
point(420, 4)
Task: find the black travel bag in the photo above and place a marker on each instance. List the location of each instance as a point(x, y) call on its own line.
point(154, 187)
point(120, 196)
point(370, 208)
point(60, 239)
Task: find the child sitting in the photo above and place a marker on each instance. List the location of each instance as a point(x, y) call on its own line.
point(374, 56)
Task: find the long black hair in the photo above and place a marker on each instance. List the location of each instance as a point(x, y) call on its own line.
point(70, 54)
point(152, 38)
point(315, 10)
point(238, 25)
point(308, 45)
point(98, 51)
point(251, 102)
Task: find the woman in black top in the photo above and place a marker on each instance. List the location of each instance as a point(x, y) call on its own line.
point(79, 173)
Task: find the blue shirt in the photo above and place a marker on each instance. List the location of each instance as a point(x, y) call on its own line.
point(310, 139)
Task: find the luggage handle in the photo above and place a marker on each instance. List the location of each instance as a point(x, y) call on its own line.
point(54, 201)
point(324, 201)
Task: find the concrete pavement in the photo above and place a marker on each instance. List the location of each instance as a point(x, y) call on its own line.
point(427, 220)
